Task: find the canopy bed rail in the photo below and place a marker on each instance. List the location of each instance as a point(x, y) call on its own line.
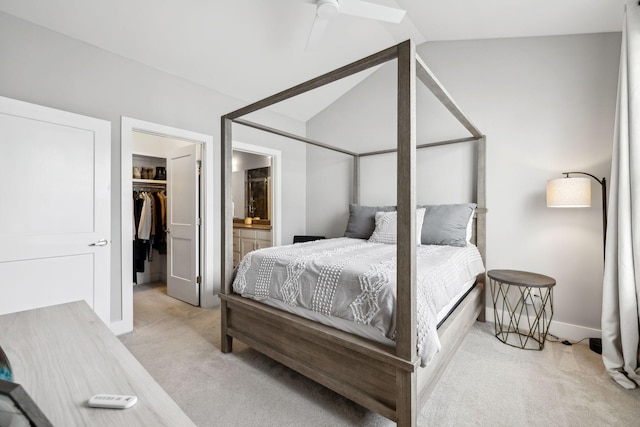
point(385, 379)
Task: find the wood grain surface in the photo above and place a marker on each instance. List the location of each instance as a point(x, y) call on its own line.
point(64, 354)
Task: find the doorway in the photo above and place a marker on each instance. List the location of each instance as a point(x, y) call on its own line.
point(249, 170)
point(251, 184)
point(160, 143)
point(166, 196)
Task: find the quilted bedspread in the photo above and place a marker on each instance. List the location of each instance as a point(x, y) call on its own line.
point(355, 280)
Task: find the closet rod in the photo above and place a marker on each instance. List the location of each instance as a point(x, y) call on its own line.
point(149, 187)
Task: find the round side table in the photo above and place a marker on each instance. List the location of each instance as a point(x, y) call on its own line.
point(522, 317)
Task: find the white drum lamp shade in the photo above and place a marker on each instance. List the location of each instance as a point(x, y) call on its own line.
point(569, 193)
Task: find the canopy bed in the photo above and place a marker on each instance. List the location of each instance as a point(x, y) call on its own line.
point(385, 377)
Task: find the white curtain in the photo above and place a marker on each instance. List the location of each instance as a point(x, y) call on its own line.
point(621, 285)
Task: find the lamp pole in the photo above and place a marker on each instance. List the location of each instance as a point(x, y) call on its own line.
point(595, 344)
point(603, 183)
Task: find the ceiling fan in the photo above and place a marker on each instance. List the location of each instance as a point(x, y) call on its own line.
point(327, 9)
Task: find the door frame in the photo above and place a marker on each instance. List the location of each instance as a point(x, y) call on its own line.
point(208, 192)
point(276, 184)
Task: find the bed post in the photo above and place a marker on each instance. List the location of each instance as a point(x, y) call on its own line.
point(355, 197)
point(226, 232)
point(406, 382)
point(481, 216)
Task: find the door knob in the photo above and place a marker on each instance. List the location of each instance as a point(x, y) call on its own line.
point(101, 242)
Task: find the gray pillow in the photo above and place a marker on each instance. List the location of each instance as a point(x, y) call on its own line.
point(362, 220)
point(446, 224)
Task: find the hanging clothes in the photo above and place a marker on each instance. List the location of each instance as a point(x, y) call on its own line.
point(139, 245)
point(160, 242)
point(149, 226)
point(146, 217)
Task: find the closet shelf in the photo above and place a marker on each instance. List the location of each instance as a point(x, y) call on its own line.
point(149, 181)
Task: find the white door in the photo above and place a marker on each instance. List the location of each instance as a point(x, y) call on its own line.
point(55, 174)
point(182, 223)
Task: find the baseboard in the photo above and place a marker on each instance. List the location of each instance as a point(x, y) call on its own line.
point(120, 327)
point(561, 330)
point(211, 301)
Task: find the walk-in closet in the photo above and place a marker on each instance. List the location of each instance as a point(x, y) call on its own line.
point(165, 218)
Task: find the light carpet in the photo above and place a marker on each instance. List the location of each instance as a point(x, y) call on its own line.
point(487, 382)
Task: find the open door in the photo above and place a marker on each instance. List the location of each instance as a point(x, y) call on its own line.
point(182, 225)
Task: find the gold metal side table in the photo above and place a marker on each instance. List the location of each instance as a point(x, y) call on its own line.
point(530, 303)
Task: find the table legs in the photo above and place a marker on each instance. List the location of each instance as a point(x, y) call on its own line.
point(531, 306)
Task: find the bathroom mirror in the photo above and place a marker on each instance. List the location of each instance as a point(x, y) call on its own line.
point(252, 186)
point(258, 193)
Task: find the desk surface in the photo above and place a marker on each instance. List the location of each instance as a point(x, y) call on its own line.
point(62, 355)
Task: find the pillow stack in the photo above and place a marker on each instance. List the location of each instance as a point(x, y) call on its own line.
point(435, 224)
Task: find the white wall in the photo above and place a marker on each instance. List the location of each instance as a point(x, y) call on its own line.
point(547, 106)
point(47, 68)
point(363, 121)
point(155, 145)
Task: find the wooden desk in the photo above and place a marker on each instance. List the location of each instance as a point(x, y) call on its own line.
point(62, 355)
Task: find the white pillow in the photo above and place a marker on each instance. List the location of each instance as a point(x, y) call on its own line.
point(470, 227)
point(387, 226)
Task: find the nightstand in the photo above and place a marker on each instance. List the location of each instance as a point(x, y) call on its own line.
point(522, 307)
point(302, 239)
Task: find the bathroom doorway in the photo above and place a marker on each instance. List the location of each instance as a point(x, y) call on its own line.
point(256, 189)
point(251, 182)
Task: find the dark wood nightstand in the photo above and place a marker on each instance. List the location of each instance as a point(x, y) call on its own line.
point(302, 239)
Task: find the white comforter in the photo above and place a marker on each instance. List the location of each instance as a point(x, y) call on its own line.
point(355, 280)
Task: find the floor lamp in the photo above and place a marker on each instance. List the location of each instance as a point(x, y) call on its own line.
point(570, 192)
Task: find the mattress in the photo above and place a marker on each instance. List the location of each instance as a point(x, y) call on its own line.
point(350, 284)
point(364, 331)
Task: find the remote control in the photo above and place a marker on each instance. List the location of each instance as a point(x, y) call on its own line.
point(114, 401)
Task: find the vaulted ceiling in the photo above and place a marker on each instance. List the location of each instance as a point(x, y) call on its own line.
point(251, 49)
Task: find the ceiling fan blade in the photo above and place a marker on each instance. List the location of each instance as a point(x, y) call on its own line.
point(372, 11)
point(317, 31)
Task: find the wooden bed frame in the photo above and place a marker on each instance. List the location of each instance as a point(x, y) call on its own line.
point(387, 380)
